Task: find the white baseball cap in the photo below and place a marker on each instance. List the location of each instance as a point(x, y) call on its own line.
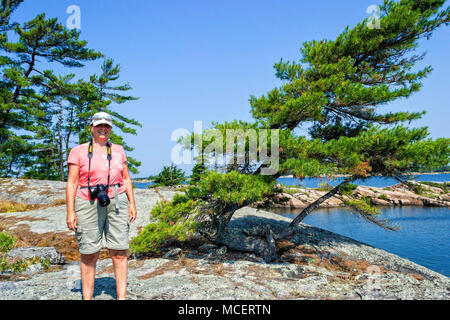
point(101, 117)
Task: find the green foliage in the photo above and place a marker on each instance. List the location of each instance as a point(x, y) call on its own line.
point(443, 186)
point(42, 113)
point(348, 188)
point(376, 151)
point(181, 217)
point(383, 197)
point(337, 86)
point(417, 188)
point(233, 187)
point(170, 176)
point(7, 242)
point(6, 9)
point(173, 220)
point(324, 186)
point(370, 213)
point(22, 264)
point(348, 77)
point(197, 171)
point(363, 205)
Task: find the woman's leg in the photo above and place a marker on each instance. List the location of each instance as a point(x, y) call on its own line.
point(88, 263)
point(119, 258)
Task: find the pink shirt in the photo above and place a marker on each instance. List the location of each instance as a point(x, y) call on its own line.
point(99, 168)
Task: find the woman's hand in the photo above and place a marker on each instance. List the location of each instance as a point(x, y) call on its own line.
point(132, 211)
point(71, 220)
point(129, 191)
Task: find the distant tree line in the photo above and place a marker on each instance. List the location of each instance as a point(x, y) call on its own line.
point(44, 114)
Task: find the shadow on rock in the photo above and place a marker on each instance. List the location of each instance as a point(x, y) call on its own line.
point(103, 285)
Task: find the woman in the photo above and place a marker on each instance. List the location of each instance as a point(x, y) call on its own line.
point(89, 211)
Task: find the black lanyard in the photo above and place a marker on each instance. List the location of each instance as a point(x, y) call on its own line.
point(90, 155)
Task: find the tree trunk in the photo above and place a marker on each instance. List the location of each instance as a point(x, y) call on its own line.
point(313, 206)
point(259, 240)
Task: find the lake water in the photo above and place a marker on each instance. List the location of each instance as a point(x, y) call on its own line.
point(379, 182)
point(371, 182)
point(424, 237)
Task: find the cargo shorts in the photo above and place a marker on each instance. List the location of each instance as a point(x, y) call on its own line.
point(94, 221)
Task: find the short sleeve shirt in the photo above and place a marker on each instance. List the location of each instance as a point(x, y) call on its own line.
point(99, 168)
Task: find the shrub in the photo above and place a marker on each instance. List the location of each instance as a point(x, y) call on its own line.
point(170, 176)
point(182, 216)
point(174, 220)
point(443, 186)
point(418, 189)
point(383, 197)
point(324, 186)
point(197, 171)
point(23, 264)
point(7, 242)
point(348, 188)
point(10, 206)
point(233, 187)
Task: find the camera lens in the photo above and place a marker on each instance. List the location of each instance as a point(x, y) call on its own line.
point(93, 191)
point(102, 196)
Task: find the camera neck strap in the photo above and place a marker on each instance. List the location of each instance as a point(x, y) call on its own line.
point(91, 154)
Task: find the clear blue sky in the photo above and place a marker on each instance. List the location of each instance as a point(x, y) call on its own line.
point(201, 60)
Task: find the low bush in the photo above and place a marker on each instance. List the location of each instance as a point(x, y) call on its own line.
point(185, 214)
point(11, 206)
point(7, 242)
point(174, 220)
point(348, 188)
point(383, 197)
point(325, 186)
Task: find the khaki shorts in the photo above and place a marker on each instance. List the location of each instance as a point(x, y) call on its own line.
point(94, 221)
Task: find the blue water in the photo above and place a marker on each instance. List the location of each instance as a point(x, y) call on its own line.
point(371, 182)
point(424, 237)
point(379, 182)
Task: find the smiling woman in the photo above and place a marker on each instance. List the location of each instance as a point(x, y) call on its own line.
point(96, 166)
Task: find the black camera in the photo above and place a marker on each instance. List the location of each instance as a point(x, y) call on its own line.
point(100, 192)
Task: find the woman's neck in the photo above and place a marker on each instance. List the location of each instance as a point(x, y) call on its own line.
point(99, 143)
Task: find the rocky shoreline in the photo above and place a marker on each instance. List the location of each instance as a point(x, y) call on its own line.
point(396, 195)
point(314, 264)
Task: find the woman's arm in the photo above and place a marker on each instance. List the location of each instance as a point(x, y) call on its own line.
point(71, 190)
point(129, 191)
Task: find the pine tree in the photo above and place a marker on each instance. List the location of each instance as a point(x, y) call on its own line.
point(43, 114)
point(108, 94)
point(197, 171)
point(335, 89)
point(338, 85)
point(23, 106)
point(170, 176)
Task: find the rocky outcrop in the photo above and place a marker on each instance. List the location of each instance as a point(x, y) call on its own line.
point(396, 195)
point(312, 264)
point(31, 191)
point(44, 253)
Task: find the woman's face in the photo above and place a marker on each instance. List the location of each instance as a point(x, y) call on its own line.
point(101, 132)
